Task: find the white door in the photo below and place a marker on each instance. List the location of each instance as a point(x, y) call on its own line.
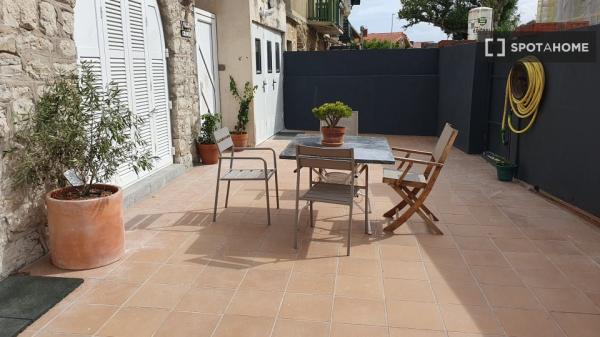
point(124, 42)
point(268, 76)
point(207, 62)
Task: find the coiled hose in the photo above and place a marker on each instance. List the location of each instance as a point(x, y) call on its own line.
point(527, 105)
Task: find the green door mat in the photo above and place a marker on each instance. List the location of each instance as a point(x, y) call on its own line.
point(25, 298)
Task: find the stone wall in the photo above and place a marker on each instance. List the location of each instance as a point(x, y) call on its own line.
point(36, 41)
point(183, 78)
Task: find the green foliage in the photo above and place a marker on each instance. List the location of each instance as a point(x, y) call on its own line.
point(331, 113)
point(80, 126)
point(245, 99)
point(452, 15)
point(210, 124)
point(380, 44)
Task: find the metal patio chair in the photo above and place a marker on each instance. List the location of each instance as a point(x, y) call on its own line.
point(316, 159)
point(224, 143)
point(414, 187)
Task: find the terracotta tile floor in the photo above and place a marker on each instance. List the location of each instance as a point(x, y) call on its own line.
point(510, 264)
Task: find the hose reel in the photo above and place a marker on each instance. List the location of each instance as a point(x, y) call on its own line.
point(524, 89)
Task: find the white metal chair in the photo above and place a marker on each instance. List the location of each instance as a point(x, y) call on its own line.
point(316, 159)
point(224, 143)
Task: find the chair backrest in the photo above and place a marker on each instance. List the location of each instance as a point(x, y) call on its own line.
point(444, 143)
point(351, 124)
point(223, 139)
point(325, 158)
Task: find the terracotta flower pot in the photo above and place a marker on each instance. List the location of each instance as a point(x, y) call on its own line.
point(333, 136)
point(209, 153)
point(240, 139)
point(86, 233)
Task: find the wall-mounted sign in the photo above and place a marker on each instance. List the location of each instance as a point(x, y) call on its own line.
point(186, 29)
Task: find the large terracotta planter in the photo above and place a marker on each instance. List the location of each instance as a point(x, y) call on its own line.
point(240, 139)
point(87, 233)
point(208, 153)
point(332, 136)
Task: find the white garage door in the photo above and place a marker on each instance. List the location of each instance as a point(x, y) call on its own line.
point(268, 76)
point(123, 40)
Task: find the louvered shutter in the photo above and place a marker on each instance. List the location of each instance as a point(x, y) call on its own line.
point(158, 71)
point(87, 30)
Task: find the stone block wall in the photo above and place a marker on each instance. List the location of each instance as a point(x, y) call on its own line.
point(36, 42)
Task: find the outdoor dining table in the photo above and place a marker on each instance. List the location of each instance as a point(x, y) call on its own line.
point(367, 150)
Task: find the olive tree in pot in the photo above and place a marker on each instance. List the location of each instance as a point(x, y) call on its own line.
point(240, 135)
point(331, 113)
point(205, 138)
point(81, 128)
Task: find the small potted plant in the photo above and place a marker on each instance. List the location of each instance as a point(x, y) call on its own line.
point(240, 135)
point(505, 170)
point(80, 135)
point(205, 140)
point(331, 113)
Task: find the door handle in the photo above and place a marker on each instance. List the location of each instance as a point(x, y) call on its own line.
point(264, 84)
point(274, 82)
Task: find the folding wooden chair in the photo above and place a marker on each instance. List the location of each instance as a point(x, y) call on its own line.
point(414, 187)
point(317, 159)
point(224, 142)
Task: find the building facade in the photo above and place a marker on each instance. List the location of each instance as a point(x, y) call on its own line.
point(172, 60)
point(568, 10)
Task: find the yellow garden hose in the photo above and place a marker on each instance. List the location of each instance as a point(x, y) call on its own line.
point(528, 104)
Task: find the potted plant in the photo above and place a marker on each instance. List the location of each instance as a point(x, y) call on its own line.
point(240, 135)
point(505, 170)
point(205, 140)
point(331, 113)
point(80, 134)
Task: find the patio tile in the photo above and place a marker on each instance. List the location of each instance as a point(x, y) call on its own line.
point(508, 245)
point(221, 276)
point(164, 296)
point(526, 261)
point(400, 253)
point(270, 280)
point(176, 274)
point(311, 283)
point(255, 303)
point(404, 270)
point(414, 315)
point(556, 247)
point(185, 324)
point(133, 272)
point(402, 332)
point(484, 258)
point(292, 328)
point(470, 319)
point(496, 276)
point(307, 307)
point(578, 325)
point(544, 278)
point(474, 243)
point(109, 293)
point(134, 322)
point(81, 319)
point(449, 274)
point(358, 266)
point(150, 254)
point(527, 323)
point(359, 311)
point(247, 326)
point(359, 287)
point(566, 300)
point(408, 290)
point(205, 300)
point(355, 330)
point(439, 256)
point(456, 293)
point(510, 297)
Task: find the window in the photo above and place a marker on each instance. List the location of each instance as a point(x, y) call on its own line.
point(269, 57)
point(277, 58)
point(258, 56)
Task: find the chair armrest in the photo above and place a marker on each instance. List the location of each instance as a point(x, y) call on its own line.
point(246, 158)
point(418, 161)
point(411, 151)
point(260, 149)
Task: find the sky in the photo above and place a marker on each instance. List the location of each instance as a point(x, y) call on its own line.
point(376, 15)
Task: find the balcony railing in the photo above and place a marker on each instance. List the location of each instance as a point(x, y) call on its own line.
point(326, 14)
